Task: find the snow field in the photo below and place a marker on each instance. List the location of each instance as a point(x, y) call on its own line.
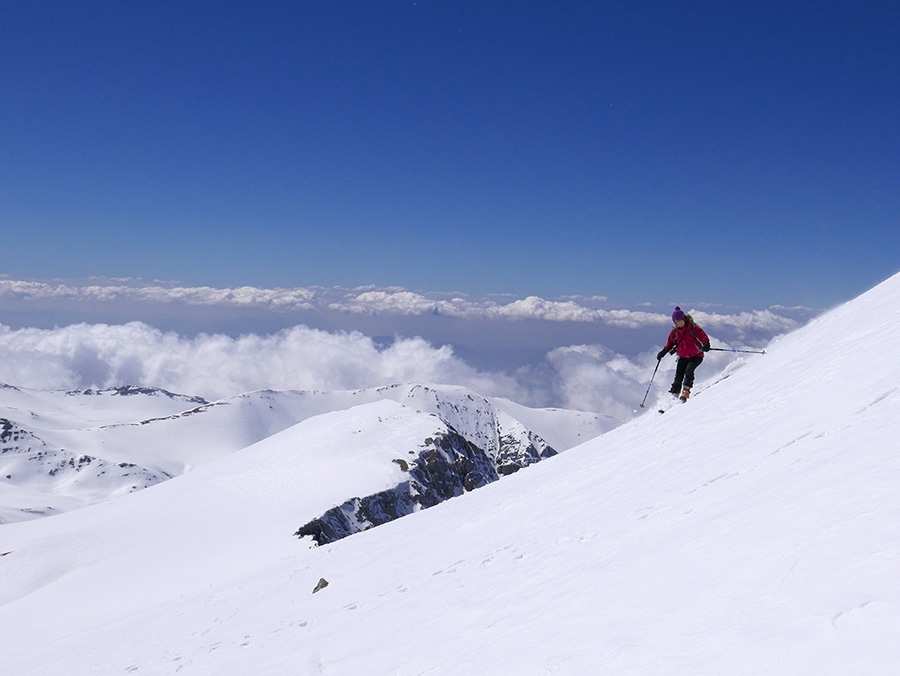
point(752, 530)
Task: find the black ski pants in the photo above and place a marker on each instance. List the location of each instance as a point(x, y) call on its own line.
point(684, 372)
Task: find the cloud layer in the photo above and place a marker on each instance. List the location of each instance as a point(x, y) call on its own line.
point(84, 356)
point(573, 352)
point(370, 301)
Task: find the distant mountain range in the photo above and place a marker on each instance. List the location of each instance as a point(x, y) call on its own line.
point(61, 450)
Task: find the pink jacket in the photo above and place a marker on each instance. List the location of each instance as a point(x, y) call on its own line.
point(689, 340)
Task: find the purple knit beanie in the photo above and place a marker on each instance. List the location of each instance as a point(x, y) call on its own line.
point(678, 315)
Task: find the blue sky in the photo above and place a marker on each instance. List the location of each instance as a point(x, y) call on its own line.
point(737, 153)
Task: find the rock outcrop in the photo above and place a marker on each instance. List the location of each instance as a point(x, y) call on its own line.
point(449, 466)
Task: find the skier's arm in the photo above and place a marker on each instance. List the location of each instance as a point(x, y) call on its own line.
point(704, 339)
point(670, 345)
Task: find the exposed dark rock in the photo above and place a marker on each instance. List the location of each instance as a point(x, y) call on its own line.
point(28, 458)
point(6, 430)
point(515, 454)
point(450, 466)
point(131, 390)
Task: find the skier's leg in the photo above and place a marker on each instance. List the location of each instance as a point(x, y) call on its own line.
point(690, 367)
point(679, 376)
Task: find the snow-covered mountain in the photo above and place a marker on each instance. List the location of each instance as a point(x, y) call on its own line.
point(752, 530)
point(62, 450)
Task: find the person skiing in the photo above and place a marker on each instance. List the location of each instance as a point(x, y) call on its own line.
point(690, 342)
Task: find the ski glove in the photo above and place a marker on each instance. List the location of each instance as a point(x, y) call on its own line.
point(705, 347)
point(662, 353)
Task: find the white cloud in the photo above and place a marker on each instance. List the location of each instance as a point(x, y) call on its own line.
point(593, 378)
point(279, 299)
point(214, 366)
point(584, 377)
point(399, 303)
point(392, 301)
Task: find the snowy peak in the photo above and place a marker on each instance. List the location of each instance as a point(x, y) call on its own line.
point(134, 391)
point(65, 450)
point(508, 443)
point(449, 465)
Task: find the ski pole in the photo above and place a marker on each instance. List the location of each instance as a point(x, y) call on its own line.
point(651, 383)
point(731, 349)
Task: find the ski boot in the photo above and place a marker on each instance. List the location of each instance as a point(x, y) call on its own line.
point(685, 394)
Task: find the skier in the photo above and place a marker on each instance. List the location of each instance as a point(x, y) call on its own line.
point(690, 342)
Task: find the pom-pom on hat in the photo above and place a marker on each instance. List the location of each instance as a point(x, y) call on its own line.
point(678, 315)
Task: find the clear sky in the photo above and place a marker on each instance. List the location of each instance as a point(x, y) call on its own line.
point(724, 152)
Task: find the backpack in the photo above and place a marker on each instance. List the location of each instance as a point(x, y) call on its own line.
point(689, 324)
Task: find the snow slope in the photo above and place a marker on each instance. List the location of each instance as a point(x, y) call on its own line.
point(753, 530)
